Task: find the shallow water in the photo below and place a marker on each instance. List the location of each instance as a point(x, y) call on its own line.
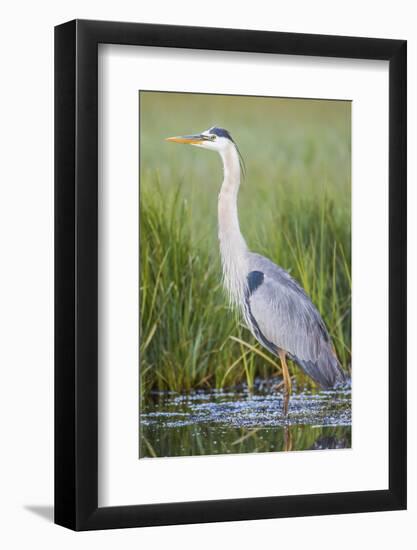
point(223, 422)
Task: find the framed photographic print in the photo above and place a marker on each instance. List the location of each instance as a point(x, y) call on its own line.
point(230, 275)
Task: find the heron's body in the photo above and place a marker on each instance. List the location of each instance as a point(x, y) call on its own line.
point(275, 307)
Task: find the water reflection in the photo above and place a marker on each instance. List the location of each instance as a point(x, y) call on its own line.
point(220, 422)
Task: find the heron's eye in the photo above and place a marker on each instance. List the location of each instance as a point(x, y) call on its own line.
point(211, 137)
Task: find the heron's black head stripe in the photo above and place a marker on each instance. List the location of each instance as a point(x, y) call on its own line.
point(220, 132)
point(255, 279)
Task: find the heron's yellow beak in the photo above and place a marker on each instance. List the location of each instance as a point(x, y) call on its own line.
point(186, 139)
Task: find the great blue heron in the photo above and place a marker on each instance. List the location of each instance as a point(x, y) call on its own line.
point(274, 306)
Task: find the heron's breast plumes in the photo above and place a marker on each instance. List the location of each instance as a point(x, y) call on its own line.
point(234, 254)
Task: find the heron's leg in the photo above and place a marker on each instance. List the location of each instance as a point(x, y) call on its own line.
point(287, 380)
point(287, 439)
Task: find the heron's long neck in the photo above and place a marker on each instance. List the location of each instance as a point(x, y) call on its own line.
point(233, 247)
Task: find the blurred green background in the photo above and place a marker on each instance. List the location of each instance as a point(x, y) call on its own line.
point(294, 207)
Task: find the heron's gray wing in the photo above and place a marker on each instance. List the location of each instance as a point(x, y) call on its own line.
point(284, 316)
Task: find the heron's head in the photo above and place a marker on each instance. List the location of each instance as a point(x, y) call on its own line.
point(216, 139)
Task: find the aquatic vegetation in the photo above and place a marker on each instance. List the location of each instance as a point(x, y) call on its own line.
point(238, 421)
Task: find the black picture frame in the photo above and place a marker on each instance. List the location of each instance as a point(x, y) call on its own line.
point(76, 272)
